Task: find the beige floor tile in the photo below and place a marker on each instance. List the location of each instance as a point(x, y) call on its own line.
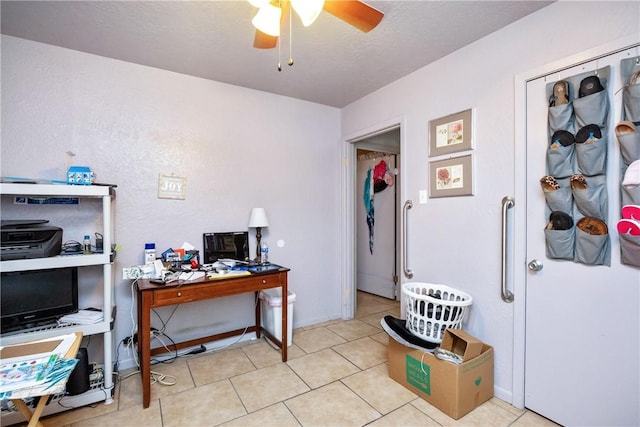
point(364, 353)
point(488, 414)
point(377, 389)
point(531, 419)
point(332, 405)
point(263, 353)
point(131, 416)
point(220, 365)
point(353, 329)
point(369, 304)
point(373, 319)
point(507, 406)
point(318, 325)
point(209, 404)
point(344, 363)
point(382, 338)
point(83, 413)
point(405, 416)
point(178, 372)
point(266, 386)
point(274, 416)
point(322, 367)
point(317, 339)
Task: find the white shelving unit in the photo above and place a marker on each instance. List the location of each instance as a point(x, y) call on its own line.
point(106, 193)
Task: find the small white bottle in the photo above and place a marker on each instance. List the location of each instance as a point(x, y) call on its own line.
point(149, 253)
point(86, 244)
point(264, 253)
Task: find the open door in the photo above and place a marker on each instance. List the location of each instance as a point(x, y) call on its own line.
point(376, 223)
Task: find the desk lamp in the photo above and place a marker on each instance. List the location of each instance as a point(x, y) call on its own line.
point(257, 220)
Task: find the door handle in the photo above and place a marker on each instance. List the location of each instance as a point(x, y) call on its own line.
point(535, 265)
point(405, 210)
point(507, 203)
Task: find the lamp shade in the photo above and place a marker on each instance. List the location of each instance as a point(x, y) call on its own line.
point(308, 10)
point(258, 218)
point(267, 20)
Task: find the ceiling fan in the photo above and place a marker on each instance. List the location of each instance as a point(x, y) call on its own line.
point(270, 13)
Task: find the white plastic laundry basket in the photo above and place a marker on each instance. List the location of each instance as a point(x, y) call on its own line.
point(432, 308)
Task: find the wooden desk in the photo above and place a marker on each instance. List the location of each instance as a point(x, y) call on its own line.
point(152, 296)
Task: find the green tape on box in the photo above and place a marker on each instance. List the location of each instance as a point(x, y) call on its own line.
point(418, 375)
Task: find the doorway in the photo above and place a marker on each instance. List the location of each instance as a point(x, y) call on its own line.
point(376, 192)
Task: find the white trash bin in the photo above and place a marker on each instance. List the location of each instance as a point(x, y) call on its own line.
point(271, 312)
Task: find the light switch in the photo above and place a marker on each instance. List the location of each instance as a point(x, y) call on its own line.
point(423, 197)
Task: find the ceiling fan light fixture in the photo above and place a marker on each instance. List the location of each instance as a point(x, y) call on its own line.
point(258, 3)
point(267, 20)
point(308, 10)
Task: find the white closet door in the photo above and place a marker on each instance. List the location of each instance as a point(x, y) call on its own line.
point(582, 321)
point(376, 270)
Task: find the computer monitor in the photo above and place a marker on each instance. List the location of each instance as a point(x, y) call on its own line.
point(226, 245)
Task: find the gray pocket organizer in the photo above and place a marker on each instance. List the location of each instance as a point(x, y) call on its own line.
point(593, 108)
point(560, 161)
point(631, 102)
point(559, 244)
point(591, 157)
point(561, 199)
point(590, 249)
point(630, 249)
point(630, 146)
point(593, 200)
point(630, 195)
point(561, 118)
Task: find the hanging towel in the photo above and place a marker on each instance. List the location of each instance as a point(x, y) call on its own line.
point(368, 203)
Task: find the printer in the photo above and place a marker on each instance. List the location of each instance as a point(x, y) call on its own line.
point(23, 239)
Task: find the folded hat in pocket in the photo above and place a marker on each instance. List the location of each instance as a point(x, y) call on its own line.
point(593, 226)
point(589, 86)
point(632, 175)
point(559, 220)
point(588, 133)
point(631, 212)
point(629, 226)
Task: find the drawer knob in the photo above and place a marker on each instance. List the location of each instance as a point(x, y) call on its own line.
point(179, 294)
point(264, 281)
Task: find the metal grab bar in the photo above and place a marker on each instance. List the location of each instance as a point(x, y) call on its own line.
point(507, 203)
point(405, 209)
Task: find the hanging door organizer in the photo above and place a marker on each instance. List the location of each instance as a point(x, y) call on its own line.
point(628, 135)
point(575, 185)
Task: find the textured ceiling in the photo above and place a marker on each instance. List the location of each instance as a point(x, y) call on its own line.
point(334, 63)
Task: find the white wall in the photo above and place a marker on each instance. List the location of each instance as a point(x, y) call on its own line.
point(238, 149)
point(457, 241)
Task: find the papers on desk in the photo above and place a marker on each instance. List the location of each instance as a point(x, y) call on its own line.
point(34, 364)
point(227, 274)
point(83, 317)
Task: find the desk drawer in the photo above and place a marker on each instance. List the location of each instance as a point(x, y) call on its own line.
point(176, 296)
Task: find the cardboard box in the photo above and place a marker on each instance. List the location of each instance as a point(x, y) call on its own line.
point(454, 389)
point(461, 343)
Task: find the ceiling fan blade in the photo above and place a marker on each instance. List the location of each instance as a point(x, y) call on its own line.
point(355, 12)
point(264, 41)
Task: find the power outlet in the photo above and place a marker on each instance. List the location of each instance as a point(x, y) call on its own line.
point(138, 272)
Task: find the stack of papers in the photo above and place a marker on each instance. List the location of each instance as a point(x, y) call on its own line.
point(83, 317)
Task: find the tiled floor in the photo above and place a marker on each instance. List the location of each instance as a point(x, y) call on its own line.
point(336, 376)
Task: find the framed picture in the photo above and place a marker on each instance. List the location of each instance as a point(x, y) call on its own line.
point(451, 177)
point(451, 134)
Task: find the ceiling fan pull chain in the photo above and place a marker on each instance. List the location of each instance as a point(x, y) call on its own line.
point(290, 62)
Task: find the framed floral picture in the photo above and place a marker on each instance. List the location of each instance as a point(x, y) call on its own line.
point(451, 134)
point(451, 177)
